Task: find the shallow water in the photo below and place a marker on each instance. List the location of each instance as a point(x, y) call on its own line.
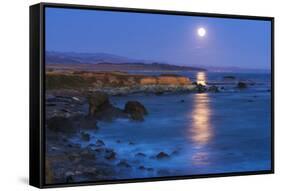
point(203, 133)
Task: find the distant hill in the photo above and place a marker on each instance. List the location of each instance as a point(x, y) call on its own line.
point(107, 62)
point(145, 67)
point(85, 58)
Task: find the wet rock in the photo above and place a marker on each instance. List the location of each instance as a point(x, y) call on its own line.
point(131, 143)
point(110, 113)
point(76, 99)
point(124, 163)
point(74, 145)
point(69, 173)
point(201, 88)
point(241, 85)
point(136, 110)
point(110, 154)
point(85, 136)
point(65, 110)
point(100, 150)
point(141, 168)
point(158, 93)
point(162, 155)
point(149, 169)
point(144, 168)
point(87, 123)
point(175, 152)
point(140, 155)
point(101, 108)
point(69, 179)
point(213, 89)
point(69, 145)
point(99, 143)
point(74, 157)
point(61, 124)
point(64, 139)
point(88, 154)
point(91, 145)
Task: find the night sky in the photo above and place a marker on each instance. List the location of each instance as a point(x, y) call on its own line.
point(163, 38)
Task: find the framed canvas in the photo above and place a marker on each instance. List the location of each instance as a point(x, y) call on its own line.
point(121, 95)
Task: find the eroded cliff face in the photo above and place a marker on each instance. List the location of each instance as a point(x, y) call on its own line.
point(165, 80)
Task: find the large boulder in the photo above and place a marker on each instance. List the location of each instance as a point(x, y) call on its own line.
point(101, 108)
point(97, 101)
point(136, 110)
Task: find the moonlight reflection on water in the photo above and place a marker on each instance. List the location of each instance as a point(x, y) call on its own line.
point(201, 129)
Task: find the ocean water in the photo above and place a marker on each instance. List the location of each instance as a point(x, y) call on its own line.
point(202, 133)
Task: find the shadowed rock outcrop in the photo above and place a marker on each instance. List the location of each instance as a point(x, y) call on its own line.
point(101, 108)
point(136, 110)
point(97, 101)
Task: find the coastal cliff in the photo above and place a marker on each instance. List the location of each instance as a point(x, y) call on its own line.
point(115, 83)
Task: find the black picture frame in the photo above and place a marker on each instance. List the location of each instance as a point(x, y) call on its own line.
point(37, 93)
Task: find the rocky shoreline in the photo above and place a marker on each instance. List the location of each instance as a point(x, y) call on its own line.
point(67, 161)
point(72, 113)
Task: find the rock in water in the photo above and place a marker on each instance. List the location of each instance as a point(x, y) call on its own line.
point(124, 163)
point(241, 85)
point(99, 143)
point(140, 155)
point(87, 122)
point(214, 89)
point(136, 110)
point(162, 155)
point(97, 100)
point(201, 88)
point(85, 136)
point(110, 154)
point(101, 108)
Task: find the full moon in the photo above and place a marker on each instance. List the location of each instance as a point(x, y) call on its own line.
point(201, 32)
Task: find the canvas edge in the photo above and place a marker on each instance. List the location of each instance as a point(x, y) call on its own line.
point(38, 91)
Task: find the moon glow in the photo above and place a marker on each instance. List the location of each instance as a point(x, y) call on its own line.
point(201, 32)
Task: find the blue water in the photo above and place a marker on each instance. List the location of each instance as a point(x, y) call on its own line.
point(207, 133)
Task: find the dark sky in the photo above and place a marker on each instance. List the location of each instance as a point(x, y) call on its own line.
point(164, 38)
